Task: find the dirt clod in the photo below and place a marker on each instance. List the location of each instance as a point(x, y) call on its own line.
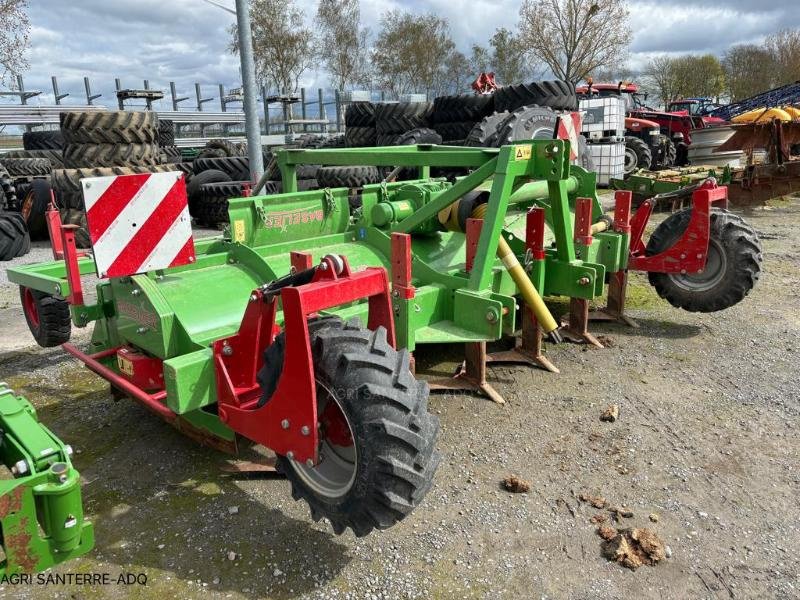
point(606, 532)
point(621, 512)
point(610, 414)
point(596, 501)
point(654, 517)
point(606, 341)
point(633, 548)
point(599, 518)
point(515, 485)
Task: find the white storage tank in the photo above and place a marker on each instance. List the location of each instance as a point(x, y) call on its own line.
point(609, 160)
point(602, 117)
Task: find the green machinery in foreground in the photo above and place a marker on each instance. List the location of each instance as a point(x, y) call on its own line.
point(41, 514)
point(241, 343)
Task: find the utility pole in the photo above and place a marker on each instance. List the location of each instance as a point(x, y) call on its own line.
point(252, 127)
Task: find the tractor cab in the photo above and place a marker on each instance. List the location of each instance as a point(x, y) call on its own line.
point(697, 107)
point(629, 92)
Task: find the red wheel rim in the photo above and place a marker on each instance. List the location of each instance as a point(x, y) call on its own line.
point(30, 307)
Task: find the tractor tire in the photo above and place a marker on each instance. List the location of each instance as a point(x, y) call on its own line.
point(333, 141)
point(67, 182)
point(454, 131)
point(732, 268)
point(8, 191)
point(236, 167)
point(387, 139)
point(166, 133)
point(73, 216)
point(556, 94)
point(47, 316)
point(210, 210)
point(681, 154)
point(637, 155)
point(467, 107)
point(211, 153)
point(360, 137)
point(193, 187)
point(169, 155)
point(227, 147)
point(423, 135)
point(14, 238)
point(484, 134)
point(80, 156)
point(527, 123)
point(34, 206)
point(110, 127)
point(42, 140)
point(360, 114)
point(377, 438)
point(223, 189)
point(670, 154)
point(399, 117)
point(349, 177)
point(55, 157)
point(26, 167)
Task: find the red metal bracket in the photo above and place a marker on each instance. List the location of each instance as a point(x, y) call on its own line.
point(473, 235)
point(71, 261)
point(622, 211)
point(287, 423)
point(534, 232)
point(583, 221)
point(300, 261)
point(401, 266)
point(688, 254)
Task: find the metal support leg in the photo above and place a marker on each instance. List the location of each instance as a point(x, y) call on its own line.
point(615, 306)
point(529, 349)
point(472, 375)
point(575, 329)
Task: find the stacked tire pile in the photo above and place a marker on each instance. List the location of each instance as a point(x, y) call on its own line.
point(25, 192)
point(454, 117)
point(168, 152)
point(220, 171)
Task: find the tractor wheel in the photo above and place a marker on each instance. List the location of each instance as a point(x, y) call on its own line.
point(34, 207)
point(237, 167)
point(110, 127)
point(26, 167)
point(528, 123)
point(79, 156)
point(73, 216)
point(732, 268)
point(209, 176)
point(8, 191)
point(637, 155)
point(670, 154)
point(14, 238)
point(42, 140)
point(484, 134)
point(399, 117)
point(466, 107)
point(454, 131)
point(54, 156)
point(227, 147)
point(422, 135)
point(349, 177)
point(356, 136)
point(360, 114)
point(47, 317)
point(376, 447)
point(166, 133)
point(558, 95)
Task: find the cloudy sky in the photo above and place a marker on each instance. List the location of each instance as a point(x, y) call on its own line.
point(185, 40)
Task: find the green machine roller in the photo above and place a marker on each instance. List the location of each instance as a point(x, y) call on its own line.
point(257, 340)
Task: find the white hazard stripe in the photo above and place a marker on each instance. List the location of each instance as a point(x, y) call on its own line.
point(99, 187)
point(118, 235)
point(174, 239)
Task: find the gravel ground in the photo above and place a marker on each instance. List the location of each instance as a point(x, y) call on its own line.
point(706, 441)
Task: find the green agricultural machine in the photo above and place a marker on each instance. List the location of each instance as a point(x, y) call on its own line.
point(295, 329)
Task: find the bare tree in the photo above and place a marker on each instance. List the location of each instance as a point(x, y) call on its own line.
point(456, 75)
point(749, 70)
point(660, 74)
point(509, 62)
point(283, 46)
point(342, 42)
point(685, 76)
point(410, 52)
point(575, 37)
point(785, 49)
point(14, 31)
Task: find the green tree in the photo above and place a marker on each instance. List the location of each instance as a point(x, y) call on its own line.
point(749, 70)
point(342, 42)
point(510, 65)
point(574, 38)
point(283, 47)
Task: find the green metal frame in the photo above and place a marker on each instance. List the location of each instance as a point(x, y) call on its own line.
point(175, 315)
point(41, 514)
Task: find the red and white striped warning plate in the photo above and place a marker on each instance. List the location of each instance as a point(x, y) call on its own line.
point(138, 223)
point(569, 127)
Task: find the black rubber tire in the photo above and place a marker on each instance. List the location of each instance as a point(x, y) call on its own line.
point(333, 141)
point(466, 107)
point(349, 177)
point(34, 206)
point(423, 135)
point(399, 117)
point(387, 139)
point(55, 157)
point(42, 140)
point(110, 127)
point(223, 189)
point(227, 147)
point(67, 182)
point(527, 123)
point(74, 216)
point(360, 114)
point(556, 94)
point(484, 134)
point(193, 187)
point(360, 137)
point(210, 211)
point(740, 268)
point(670, 154)
point(79, 156)
point(14, 238)
point(387, 411)
point(636, 148)
point(26, 167)
point(8, 191)
point(54, 326)
point(454, 131)
point(237, 167)
point(166, 133)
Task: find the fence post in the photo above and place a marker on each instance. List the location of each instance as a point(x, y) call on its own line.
point(322, 114)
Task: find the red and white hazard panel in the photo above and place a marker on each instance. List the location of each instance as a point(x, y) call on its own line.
point(569, 128)
point(138, 223)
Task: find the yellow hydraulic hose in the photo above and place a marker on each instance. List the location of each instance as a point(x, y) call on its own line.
point(529, 293)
